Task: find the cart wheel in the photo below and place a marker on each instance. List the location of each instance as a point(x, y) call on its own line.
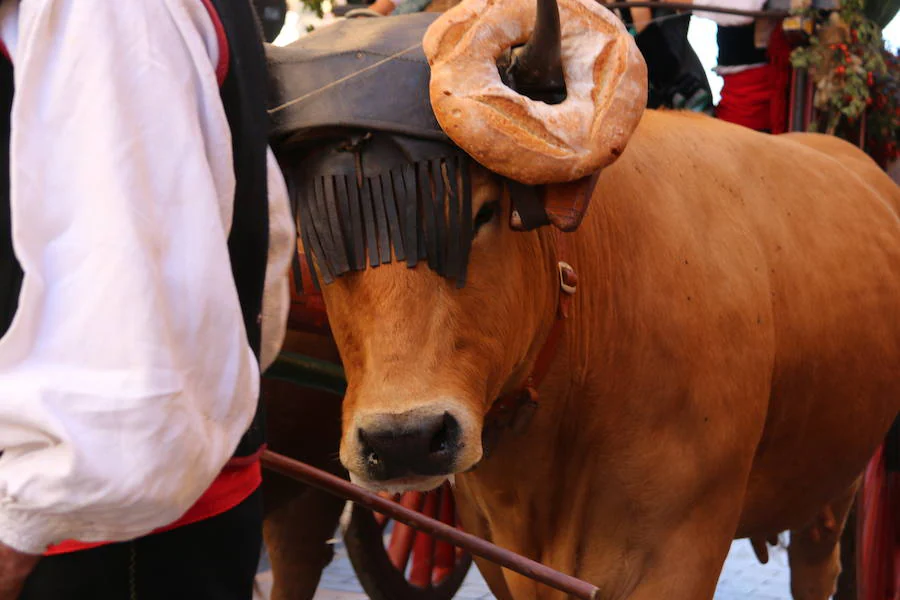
point(400, 563)
point(878, 532)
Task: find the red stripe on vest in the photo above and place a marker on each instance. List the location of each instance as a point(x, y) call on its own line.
point(231, 487)
point(224, 51)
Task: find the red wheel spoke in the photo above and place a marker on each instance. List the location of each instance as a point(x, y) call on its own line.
point(402, 537)
point(444, 553)
point(423, 551)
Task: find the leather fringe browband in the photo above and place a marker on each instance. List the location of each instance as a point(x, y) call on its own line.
point(413, 211)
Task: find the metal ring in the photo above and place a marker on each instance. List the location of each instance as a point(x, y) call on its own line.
point(563, 267)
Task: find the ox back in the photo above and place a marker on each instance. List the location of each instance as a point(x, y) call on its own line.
point(243, 96)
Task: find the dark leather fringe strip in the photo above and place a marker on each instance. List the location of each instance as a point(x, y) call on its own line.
point(395, 224)
point(411, 208)
point(420, 211)
point(384, 238)
point(465, 190)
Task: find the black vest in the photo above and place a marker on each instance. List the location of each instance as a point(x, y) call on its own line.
point(673, 67)
point(737, 46)
point(244, 98)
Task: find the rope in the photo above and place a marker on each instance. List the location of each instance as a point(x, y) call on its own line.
point(343, 79)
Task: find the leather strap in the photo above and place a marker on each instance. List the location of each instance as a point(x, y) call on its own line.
point(515, 409)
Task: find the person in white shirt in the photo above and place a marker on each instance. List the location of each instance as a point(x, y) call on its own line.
point(145, 237)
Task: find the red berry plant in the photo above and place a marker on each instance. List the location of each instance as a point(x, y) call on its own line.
point(856, 81)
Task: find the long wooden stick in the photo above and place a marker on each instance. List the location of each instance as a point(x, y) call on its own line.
point(474, 545)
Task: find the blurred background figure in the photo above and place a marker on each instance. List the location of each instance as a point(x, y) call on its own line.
point(272, 14)
point(676, 75)
point(754, 64)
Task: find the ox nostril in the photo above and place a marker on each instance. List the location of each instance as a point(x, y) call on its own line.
point(371, 457)
point(447, 436)
point(409, 444)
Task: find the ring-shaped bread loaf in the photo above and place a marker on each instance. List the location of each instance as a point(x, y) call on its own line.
point(523, 139)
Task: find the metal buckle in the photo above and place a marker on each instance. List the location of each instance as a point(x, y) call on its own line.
point(567, 279)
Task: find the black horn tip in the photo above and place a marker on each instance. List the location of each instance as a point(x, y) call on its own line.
point(535, 70)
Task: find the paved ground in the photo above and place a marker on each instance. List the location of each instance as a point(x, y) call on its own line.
point(743, 578)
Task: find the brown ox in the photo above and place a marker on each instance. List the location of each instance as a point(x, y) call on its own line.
point(729, 364)
point(731, 360)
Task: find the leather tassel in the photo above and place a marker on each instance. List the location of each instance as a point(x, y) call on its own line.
point(311, 238)
point(384, 238)
point(357, 236)
point(438, 199)
point(449, 177)
point(410, 206)
point(332, 208)
point(429, 221)
point(365, 199)
point(466, 217)
point(344, 218)
point(321, 226)
point(395, 223)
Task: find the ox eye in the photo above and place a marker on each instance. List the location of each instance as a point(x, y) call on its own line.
point(486, 214)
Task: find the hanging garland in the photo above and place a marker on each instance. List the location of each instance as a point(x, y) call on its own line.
point(883, 118)
point(856, 81)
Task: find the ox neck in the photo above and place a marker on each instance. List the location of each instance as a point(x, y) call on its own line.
point(514, 410)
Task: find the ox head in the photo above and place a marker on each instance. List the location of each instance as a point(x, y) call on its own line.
point(439, 282)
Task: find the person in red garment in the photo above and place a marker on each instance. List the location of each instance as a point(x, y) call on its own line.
point(756, 79)
point(142, 218)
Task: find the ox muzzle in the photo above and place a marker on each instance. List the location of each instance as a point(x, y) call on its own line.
point(410, 444)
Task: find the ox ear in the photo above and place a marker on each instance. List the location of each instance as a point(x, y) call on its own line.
point(562, 205)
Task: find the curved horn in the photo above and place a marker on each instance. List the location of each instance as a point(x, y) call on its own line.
point(536, 68)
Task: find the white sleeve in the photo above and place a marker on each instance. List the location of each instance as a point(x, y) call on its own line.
point(282, 246)
point(730, 20)
point(126, 379)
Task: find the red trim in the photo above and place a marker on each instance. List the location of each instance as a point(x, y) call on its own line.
point(233, 485)
point(5, 51)
point(224, 50)
point(245, 461)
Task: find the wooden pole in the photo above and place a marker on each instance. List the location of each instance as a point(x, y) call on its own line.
point(474, 545)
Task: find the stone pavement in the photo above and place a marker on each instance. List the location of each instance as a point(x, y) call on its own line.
point(743, 578)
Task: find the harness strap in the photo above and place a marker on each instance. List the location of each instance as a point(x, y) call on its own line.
point(515, 409)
